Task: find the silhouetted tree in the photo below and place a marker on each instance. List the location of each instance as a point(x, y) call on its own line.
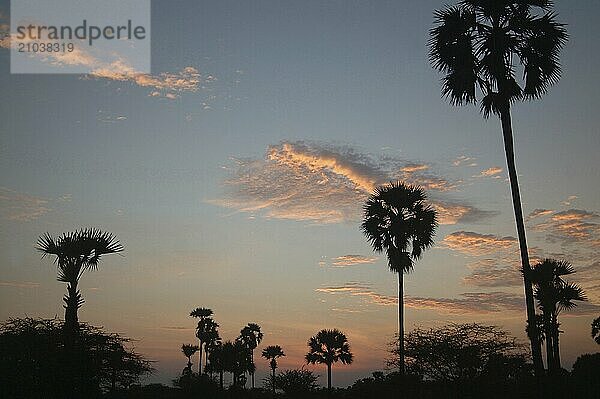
point(251, 336)
point(272, 353)
point(554, 295)
point(203, 314)
point(236, 360)
point(294, 383)
point(459, 352)
point(36, 362)
point(189, 351)
point(328, 347)
point(216, 361)
point(74, 253)
point(596, 330)
point(397, 220)
point(477, 45)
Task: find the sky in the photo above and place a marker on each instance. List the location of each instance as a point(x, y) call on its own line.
point(234, 175)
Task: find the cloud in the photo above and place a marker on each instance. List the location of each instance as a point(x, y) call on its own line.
point(464, 160)
point(491, 272)
point(470, 302)
point(321, 183)
point(21, 207)
point(350, 260)
point(539, 212)
point(491, 172)
point(573, 226)
point(19, 284)
point(477, 244)
point(114, 67)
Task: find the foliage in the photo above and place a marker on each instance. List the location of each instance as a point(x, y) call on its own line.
point(74, 253)
point(397, 220)
point(479, 44)
point(328, 347)
point(36, 358)
point(294, 383)
point(458, 352)
point(596, 330)
point(554, 295)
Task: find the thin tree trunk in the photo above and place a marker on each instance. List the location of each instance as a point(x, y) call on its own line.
point(329, 378)
point(556, 347)
point(536, 350)
point(200, 359)
point(221, 379)
point(401, 321)
point(252, 360)
point(549, 343)
point(72, 300)
point(273, 381)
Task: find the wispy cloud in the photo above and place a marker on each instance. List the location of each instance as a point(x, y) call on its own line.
point(350, 260)
point(464, 160)
point(493, 172)
point(21, 207)
point(329, 183)
point(114, 67)
point(19, 284)
point(471, 243)
point(573, 226)
point(465, 303)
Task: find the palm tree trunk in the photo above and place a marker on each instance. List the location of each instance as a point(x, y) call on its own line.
point(549, 343)
point(252, 360)
point(71, 299)
point(401, 321)
point(556, 348)
point(221, 378)
point(200, 359)
point(507, 133)
point(273, 381)
point(329, 378)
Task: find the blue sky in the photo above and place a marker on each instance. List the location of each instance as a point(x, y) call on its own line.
point(240, 191)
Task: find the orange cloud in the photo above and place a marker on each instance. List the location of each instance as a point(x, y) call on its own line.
point(349, 260)
point(322, 183)
point(491, 172)
point(472, 243)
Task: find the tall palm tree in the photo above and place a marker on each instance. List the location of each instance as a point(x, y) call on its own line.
point(216, 362)
point(213, 339)
point(398, 220)
point(554, 295)
point(203, 314)
point(272, 353)
point(328, 347)
point(189, 351)
point(74, 253)
point(596, 330)
point(251, 336)
point(480, 44)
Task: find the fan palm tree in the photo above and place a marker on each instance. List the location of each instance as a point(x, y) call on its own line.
point(189, 351)
point(480, 45)
point(251, 336)
point(554, 295)
point(75, 253)
point(328, 347)
point(397, 220)
point(203, 314)
point(216, 360)
point(272, 353)
point(596, 330)
point(212, 339)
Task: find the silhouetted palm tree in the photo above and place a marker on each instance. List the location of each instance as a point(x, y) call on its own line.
point(328, 347)
point(212, 338)
point(251, 337)
point(216, 361)
point(482, 44)
point(203, 314)
point(236, 360)
point(189, 351)
point(75, 253)
point(554, 295)
point(397, 220)
point(596, 330)
point(272, 353)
